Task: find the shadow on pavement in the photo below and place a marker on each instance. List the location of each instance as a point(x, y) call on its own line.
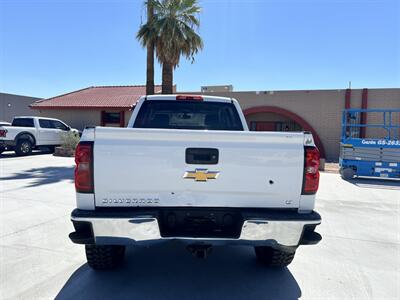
point(168, 271)
point(45, 175)
point(389, 184)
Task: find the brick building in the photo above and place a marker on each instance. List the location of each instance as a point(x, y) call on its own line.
point(318, 111)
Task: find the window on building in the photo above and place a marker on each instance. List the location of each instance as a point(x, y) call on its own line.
point(275, 126)
point(288, 126)
point(112, 118)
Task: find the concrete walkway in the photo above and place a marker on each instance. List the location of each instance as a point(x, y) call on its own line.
point(359, 257)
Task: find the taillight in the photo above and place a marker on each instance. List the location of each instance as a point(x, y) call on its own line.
point(84, 167)
point(3, 133)
point(189, 97)
point(311, 171)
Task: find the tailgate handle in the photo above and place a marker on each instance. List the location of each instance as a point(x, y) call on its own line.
point(202, 156)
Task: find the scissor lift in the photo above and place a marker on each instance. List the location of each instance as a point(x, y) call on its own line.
point(377, 156)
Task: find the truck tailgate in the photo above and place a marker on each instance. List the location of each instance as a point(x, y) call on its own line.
point(147, 167)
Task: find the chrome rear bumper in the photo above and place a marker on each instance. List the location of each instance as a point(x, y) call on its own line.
point(287, 230)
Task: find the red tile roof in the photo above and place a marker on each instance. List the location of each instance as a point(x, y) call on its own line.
point(97, 97)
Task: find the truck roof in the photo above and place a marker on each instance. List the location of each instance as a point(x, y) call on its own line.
point(183, 96)
point(35, 117)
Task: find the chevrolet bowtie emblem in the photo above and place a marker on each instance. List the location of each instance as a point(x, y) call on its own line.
point(200, 175)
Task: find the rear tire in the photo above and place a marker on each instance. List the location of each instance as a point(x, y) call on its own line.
point(271, 257)
point(104, 257)
point(23, 147)
point(347, 173)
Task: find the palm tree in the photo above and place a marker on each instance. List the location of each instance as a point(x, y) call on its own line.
point(150, 54)
point(173, 30)
point(148, 39)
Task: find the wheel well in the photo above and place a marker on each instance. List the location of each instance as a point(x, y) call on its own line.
point(25, 136)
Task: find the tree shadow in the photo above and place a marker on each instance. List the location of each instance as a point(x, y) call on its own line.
point(167, 271)
point(388, 184)
point(44, 175)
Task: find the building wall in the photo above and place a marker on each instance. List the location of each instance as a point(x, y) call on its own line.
point(382, 99)
point(322, 109)
point(260, 117)
point(217, 88)
point(128, 115)
point(79, 119)
point(15, 105)
point(75, 118)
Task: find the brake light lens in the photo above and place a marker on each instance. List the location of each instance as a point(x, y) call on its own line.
point(83, 168)
point(189, 97)
point(311, 171)
point(3, 133)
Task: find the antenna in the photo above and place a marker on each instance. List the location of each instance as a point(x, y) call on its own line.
point(349, 84)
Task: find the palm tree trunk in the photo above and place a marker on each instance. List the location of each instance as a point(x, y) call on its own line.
point(150, 55)
point(167, 78)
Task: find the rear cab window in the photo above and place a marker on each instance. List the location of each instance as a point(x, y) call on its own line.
point(201, 115)
point(23, 122)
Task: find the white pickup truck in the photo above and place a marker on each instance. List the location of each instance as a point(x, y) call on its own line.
point(28, 133)
point(188, 169)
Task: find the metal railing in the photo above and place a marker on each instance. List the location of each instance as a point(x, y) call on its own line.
point(351, 126)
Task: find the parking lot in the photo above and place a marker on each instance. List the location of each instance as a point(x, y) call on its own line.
point(359, 256)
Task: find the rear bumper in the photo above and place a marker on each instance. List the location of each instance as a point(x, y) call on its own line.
point(7, 143)
point(279, 228)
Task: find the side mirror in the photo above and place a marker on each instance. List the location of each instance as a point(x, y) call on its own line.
point(68, 128)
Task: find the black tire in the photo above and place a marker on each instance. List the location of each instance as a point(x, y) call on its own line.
point(23, 147)
point(104, 257)
point(347, 174)
point(271, 257)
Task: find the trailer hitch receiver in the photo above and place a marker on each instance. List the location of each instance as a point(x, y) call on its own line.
point(199, 250)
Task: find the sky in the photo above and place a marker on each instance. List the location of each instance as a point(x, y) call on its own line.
point(51, 47)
